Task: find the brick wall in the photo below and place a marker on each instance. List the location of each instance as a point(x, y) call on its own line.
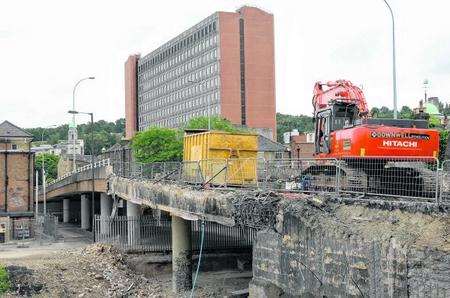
point(19, 194)
point(131, 96)
point(259, 51)
point(230, 83)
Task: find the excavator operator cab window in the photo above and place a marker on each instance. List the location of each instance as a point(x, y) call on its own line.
point(323, 128)
point(344, 116)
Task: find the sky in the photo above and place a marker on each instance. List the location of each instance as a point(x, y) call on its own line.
point(47, 46)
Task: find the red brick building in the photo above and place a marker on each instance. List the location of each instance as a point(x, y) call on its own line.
point(16, 171)
point(223, 65)
point(302, 145)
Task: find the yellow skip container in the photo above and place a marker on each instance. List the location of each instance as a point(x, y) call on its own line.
point(226, 158)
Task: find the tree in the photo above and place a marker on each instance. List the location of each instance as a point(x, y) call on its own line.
point(385, 112)
point(434, 121)
point(217, 123)
point(106, 134)
point(102, 140)
point(287, 123)
point(158, 144)
point(50, 166)
point(375, 112)
point(406, 113)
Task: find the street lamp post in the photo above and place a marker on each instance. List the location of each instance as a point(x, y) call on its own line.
point(74, 165)
point(73, 112)
point(394, 71)
point(44, 180)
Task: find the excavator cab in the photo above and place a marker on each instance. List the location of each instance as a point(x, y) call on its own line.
point(345, 116)
point(339, 116)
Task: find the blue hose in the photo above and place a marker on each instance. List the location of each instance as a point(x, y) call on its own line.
point(199, 259)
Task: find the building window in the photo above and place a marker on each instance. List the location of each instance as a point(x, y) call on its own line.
point(14, 146)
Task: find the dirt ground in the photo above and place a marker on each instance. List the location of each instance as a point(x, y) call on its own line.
point(80, 269)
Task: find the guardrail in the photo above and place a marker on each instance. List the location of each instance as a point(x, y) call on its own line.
point(417, 178)
point(98, 164)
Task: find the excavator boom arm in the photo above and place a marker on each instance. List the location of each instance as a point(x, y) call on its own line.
point(342, 91)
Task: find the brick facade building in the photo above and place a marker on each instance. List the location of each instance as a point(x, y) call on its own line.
point(16, 171)
point(223, 65)
point(302, 145)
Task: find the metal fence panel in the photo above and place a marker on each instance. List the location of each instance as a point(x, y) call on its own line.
point(305, 175)
point(402, 177)
point(147, 234)
point(412, 177)
point(23, 228)
point(47, 225)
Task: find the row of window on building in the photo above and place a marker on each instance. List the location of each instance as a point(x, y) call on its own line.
point(190, 75)
point(181, 94)
point(195, 103)
point(181, 120)
point(176, 61)
point(184, 43)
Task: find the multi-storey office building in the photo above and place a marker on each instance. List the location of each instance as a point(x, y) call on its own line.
point(224, 66)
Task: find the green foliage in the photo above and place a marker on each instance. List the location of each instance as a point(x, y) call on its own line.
point(443, 138)
point(50, 166)
point(434, 122)
point(102, 140)
point(5, 284)
point(406, 113)
point(287, 123)
point(217, 123)
point(383, 112)
point(158, 144)
point(106, 134)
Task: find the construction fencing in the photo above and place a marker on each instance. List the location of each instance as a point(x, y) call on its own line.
point(23, 228)
point(46, 226)
point(418, 178)
point(147, 234)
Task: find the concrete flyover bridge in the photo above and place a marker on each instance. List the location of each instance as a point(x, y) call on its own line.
point(308, 244)
point(70, 196)
point(120, 192)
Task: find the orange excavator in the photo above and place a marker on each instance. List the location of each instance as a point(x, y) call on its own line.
point(374, 152)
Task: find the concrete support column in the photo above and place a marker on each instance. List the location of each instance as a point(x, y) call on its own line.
point(181, 255)
point(85, 212)
point(105, 212)
point(134, 225)
point(66, 210)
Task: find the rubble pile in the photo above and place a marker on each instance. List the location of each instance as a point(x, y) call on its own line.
point(256, 209)
point(110, 266)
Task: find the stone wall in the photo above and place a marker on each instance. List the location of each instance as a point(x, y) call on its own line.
point(353, 251)
point(65, 165)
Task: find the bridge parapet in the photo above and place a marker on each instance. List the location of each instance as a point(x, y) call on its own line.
point(99, 164)
point(408, 179)
point(78, 180)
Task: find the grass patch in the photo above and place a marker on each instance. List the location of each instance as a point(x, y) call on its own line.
point(5, 285)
